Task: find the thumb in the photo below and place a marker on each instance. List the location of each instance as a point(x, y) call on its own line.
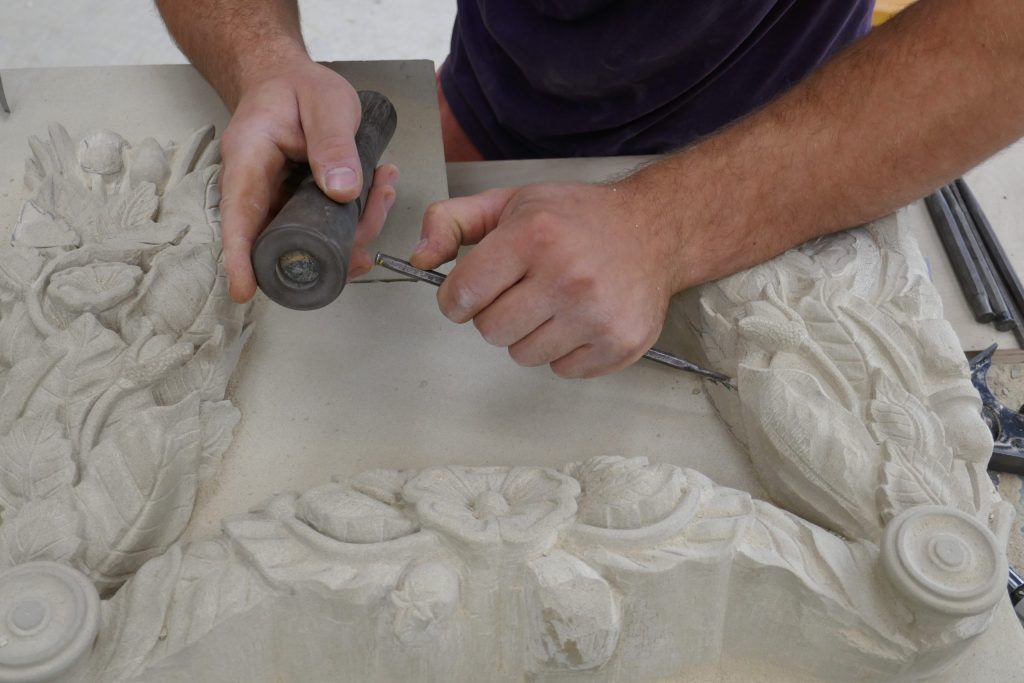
point(452, 223)
point(329, 121)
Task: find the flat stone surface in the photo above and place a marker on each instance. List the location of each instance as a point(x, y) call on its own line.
point(381, 379)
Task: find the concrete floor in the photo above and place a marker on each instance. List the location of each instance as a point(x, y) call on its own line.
point(102, 32)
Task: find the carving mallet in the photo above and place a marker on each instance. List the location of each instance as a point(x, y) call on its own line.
point(301, 260)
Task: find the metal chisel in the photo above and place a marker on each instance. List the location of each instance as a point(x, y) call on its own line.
point(435, 278)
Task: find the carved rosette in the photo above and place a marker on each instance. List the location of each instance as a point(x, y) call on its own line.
point(49, 618)
point(944, 563)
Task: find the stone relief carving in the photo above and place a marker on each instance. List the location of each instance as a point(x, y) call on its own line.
point(882, 560)
point(116, 342)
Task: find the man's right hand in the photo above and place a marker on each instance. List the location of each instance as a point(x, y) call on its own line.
point(297, 111)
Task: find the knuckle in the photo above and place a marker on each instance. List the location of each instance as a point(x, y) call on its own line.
point(436, 213)
point(629, 341)
point(489, 330)
point(523, 356)
point(331, 148)
point(565, 370)
point(543, 218)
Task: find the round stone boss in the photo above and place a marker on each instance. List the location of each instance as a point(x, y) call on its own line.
point(943, 559)
point(49, 618)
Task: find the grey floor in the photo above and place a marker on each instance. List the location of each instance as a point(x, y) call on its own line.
point(102, 32)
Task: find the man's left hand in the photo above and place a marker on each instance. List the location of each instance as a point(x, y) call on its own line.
point(573, 275)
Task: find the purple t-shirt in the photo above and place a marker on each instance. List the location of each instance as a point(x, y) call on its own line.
point(562, 78)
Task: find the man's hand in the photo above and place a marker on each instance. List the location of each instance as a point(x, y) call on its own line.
point(575, 276)
point(298, 111)
point(286, 109)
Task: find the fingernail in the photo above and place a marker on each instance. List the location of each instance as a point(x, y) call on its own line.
point(341, 178)
point(463, 304)
point(420, 246)
point(390, 200)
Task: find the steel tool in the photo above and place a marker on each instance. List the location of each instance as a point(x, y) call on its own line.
point(435, 278)
point(956, 249)
point(979, 256)
point(3, 98)
point(301, 260)
point(1004, 268)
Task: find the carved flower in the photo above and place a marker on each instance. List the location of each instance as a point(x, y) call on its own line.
point(626, 493)
point(519, 508)
point(95, 287)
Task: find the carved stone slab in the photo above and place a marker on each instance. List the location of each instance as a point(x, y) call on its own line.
point(883, 559)
point(879, 557)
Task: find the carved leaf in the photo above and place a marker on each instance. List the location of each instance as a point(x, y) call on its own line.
point(88, 359)
point(187, 202)
point(346, 515)
point(898, 416)
point(175, 289)
point(18, 336)
point(907, 484)
point(70, 202)
point(284, 560)
point(35, 461)
point(206, 372)
point(776, 538)
point(625, 493)
point(138, 488)
point(18, 269)
point(135, 207)
point(53, 158)
point(212, 586)
point(43, 529)
point(825, 474)
point(36, 229)
point(835, 341)
point(217, 421)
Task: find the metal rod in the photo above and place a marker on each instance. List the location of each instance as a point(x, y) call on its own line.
point(404, 267)
point(959, 258)
point(1001, 261)
point(658, 356)
point(979, 255)
point(3, 99)
point(974, 253)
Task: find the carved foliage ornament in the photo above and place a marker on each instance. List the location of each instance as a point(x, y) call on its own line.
point(882, 560)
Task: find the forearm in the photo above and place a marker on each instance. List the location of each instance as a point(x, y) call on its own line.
point(902, 111)
point(233, 42)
